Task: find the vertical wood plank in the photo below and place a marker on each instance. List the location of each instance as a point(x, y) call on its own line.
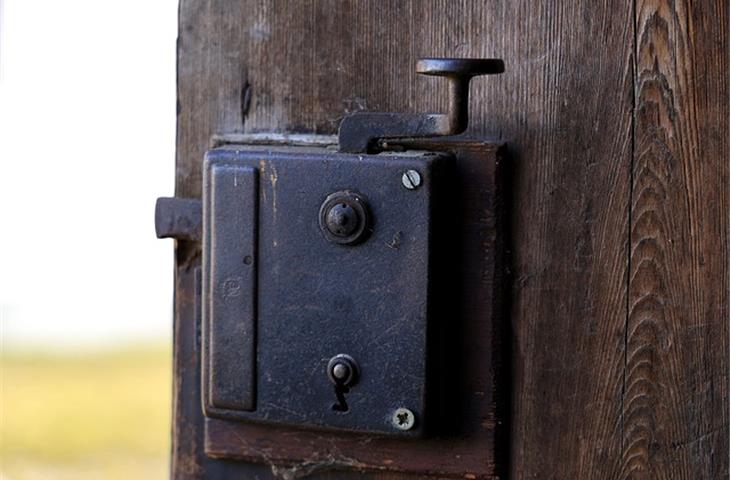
point(676, 399)
point(568, 108)
point(565, 105)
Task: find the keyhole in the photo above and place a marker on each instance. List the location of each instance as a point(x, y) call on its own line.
point(341, 405)
point(343, 373)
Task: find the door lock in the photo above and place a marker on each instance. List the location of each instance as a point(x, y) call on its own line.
point(314, 247)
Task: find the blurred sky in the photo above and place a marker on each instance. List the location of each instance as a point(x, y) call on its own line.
point(87, 134)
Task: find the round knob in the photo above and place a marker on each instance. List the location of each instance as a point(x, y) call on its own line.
point(342, 220)
point(459, 72)
point(342, 370)
point(344, 217)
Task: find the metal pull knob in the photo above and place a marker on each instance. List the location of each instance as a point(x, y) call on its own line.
point(459, 72)
point(360, 131)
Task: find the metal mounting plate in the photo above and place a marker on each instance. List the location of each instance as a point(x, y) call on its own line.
point(280, 299)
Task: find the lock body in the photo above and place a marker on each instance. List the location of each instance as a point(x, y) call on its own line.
point(309, 254)
point(349, 295)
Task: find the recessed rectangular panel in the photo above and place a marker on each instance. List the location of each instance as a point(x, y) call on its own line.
point(232, 219)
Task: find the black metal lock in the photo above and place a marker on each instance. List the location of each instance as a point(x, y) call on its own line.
point(325, 271)
point(331, 272)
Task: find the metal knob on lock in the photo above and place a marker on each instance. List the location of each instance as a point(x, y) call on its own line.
point(344, 217)
point(342, 220)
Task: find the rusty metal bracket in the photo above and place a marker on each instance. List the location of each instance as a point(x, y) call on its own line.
point(360, 131)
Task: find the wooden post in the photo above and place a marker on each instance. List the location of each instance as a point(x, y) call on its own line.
point(617, 116)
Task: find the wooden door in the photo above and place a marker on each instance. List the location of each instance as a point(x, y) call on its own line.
point(617, 119)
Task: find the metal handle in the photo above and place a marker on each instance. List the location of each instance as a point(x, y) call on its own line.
point(459, 72)
point(360, 131)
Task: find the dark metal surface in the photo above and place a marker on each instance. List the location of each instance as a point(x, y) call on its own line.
point(470, 437)
point(230, 259)
point(359, 132)
point(179, 218)
point(315, 298)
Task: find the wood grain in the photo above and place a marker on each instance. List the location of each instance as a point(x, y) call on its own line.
point(572, 98)
point(564, 104)
point(616, 113)
point(676, 398)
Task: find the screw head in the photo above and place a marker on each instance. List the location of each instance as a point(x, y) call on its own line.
point(403, 419)
point(344, 217)
point(411, 179)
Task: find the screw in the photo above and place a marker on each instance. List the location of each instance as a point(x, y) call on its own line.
point(403, 419)
point(411, 179)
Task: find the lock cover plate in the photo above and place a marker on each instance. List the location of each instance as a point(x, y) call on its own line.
point(280, 298)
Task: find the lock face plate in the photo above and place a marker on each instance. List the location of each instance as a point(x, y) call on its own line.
point(280, 298)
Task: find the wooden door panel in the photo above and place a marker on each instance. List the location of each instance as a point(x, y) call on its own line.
point(616, 117)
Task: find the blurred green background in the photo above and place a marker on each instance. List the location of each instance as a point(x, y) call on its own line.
point(95, 414)
point(87, 139)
